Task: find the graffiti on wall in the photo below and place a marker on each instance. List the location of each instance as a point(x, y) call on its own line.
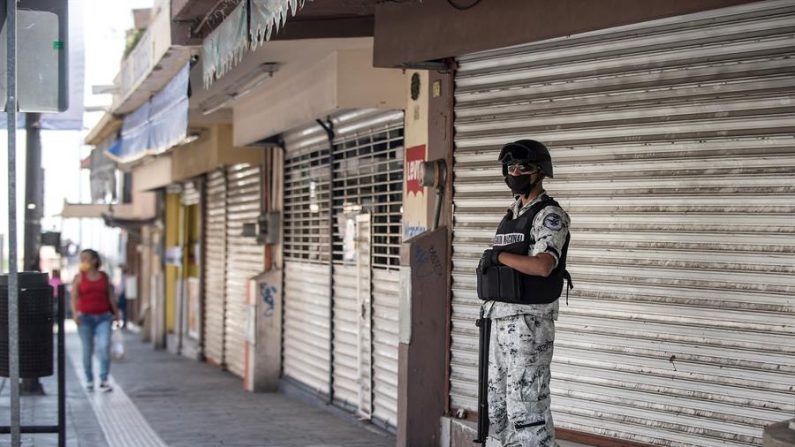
point(268, 295)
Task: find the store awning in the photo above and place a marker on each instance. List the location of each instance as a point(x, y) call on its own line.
point(157, 125)
point(96, 211)
point(243, 29)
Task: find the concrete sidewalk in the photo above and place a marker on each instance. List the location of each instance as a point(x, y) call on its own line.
point(194, 404)
point(161, 399)
point(165, 400)
point(82, 427)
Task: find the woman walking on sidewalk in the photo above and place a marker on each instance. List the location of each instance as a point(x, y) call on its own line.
point(94, 310)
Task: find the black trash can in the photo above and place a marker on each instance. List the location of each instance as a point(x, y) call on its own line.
point(35, 325)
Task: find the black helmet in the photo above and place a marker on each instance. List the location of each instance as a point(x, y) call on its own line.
point(526, 151)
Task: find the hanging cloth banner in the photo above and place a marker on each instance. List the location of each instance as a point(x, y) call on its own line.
point(268, 16)
point(134, 136)
point(225, 46)
point(156, 126)
point(168, 114)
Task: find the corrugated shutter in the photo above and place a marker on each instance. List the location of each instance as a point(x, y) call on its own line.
point(386, 296)
point(674, 155)
point(306, 325)
point(347, 312)
point(191, 195)
point(307, 309)
point(215, 267)
point(245, 257)
point(368, 167)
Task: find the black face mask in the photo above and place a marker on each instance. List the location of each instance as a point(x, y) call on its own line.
point(521, 184)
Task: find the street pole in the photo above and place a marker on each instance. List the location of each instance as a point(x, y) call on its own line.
point(34, 194)
point(13, 290)
point(34, 183)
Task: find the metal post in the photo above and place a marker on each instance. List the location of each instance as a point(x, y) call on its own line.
point(328, 126)
point(34, 188)
point(34, 203)
point(13, 289)
point(61, 367)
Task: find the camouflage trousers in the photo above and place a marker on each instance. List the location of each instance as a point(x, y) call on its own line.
point(520, 352)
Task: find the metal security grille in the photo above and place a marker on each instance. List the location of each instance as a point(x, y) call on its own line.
point(368, 173)
point(215, 268)
point(674, 155)
point(368, 179)
point(245, 257)
point(306, 204)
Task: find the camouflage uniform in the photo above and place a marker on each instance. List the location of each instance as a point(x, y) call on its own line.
point(520, 350)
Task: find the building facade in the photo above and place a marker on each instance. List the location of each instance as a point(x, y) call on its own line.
point(297, 246)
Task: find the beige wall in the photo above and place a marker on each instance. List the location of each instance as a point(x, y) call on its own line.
point(212, 150)
point(154, 173)
point(415, 203)
point(344, 79)
point(144, 204)
point(362, 86)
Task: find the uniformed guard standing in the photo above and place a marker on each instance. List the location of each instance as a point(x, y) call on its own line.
point(520, 279)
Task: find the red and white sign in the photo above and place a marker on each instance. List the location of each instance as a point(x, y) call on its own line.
point(414, 157)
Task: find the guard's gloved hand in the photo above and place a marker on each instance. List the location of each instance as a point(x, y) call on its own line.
point(489, 258)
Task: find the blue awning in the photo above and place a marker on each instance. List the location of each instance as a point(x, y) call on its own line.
point(158, 124)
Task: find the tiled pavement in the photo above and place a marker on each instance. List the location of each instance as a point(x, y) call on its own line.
point(183, 403)
point(187, 404)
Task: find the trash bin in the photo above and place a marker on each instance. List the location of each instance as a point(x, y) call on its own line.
point(35, 325)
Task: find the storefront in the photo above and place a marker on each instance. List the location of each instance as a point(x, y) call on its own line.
point(219, 191)
point(215, 267)
point(340, 336)
point(245, 257)
point(183, 267)
point(673, 152)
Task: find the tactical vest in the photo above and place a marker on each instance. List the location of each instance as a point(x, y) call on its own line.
point(502, 283)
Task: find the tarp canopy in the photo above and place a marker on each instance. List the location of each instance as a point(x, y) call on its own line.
point(157, 125)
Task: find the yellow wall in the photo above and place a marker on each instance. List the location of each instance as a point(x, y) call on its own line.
point(173, 208)
point(192, 240)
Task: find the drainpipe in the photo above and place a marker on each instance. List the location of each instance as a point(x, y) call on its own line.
point(328, 126)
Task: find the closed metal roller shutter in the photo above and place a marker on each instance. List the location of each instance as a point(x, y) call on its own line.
point(191, 194)
point(674, 155)
point(307, 309)
point(368, 173)
point(347, 349)
point(306, 325)
point(215, 267)
point(245, 257)
point(368, 180)
point(386, 295)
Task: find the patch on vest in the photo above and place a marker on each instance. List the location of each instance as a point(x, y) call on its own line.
point(508, 239)
point(553, 222)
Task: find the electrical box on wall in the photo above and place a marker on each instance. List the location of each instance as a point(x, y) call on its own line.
point(269, 227)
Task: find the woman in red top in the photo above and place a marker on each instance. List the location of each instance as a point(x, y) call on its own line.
point(94, 310)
